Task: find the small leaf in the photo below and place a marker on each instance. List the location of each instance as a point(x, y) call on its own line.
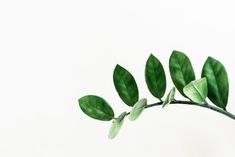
point(197, 90)
point(116, 126)
point(96, 107)
point(125, 85)
point(218, 84)
point(169, 98)
point(155, 77)
point(181, 70)
point(137, 109)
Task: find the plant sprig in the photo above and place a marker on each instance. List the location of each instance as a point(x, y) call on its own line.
point(213, 84)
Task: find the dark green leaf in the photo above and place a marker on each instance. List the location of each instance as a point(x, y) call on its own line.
point(155, 77)
point(197, 90)
point(125, 85)
point(181, 70)
point(116, 126)
point(96, 107)
point(169, 98)
point(137, 109)
point(218, 84)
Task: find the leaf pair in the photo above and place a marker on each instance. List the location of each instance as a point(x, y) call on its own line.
point(126, 86)
point(182, 74)
point(134, 114)
point(183, 77)
point(181, 71)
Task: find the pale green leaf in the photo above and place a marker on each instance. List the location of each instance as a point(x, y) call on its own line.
point(137, 109)
point(197, 90)
point(169, 98)
point(116, 126)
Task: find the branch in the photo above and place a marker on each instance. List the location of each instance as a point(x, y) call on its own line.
point(226, 113)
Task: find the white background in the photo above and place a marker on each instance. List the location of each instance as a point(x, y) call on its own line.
point(53, 52)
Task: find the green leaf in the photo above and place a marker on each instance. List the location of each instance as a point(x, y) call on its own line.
point(96, 107)
point(197, 90)
point(116, 126)
point(137, 109)
point(169, 98)
point(155, 77)
point(181, 70)
point(125, 85)
point(218, 84)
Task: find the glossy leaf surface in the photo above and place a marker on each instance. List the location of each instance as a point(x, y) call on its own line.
point(96, 107)
point(155, 77)
point(125, 85)
point(181, 70)
point(218, 84)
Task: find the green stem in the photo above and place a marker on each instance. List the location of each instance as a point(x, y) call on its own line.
point(206, 105)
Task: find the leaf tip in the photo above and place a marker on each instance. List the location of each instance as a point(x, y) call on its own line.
point(209, 58)
point(176, 52)
point(151, 55)
point(204, 79)
point(118, 66)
